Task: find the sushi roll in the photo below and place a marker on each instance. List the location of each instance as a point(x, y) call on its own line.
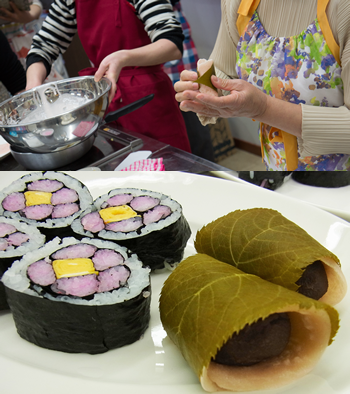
point(239, 332)
point(48, 200)
point(270, 180)
point(263, 242)
point(149, 223)
point(16, 239)
point(79, 296)
point(329, 179)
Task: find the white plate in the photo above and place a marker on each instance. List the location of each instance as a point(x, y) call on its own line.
point(154, 365)
point(4, 148)
point(334, 200)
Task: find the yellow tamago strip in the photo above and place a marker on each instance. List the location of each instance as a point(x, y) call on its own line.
point(116, 214)
point(37, 198)
point(73, 267)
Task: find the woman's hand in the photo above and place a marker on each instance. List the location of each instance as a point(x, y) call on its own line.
point(36, 74)
point(186, 83)
point(244, 99)
point(19, 16)
point(158, 52)
point(110, 68)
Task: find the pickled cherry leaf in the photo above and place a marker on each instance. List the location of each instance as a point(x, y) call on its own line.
point(204, 301)
point(262, 242)
point(205, 79)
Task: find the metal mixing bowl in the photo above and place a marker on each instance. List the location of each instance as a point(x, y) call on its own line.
point(57, 132)
point(53, 160)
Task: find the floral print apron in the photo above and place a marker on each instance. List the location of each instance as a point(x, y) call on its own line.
point(298, 69)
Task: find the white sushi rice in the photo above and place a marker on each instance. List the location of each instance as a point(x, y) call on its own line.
point(20, 185)
point(16, 277)
point(175, 207)
point(35, 241)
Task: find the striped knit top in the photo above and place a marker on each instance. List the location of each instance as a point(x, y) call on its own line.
point(60, 27)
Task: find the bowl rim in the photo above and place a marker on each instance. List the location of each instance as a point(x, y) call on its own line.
point(73, 79)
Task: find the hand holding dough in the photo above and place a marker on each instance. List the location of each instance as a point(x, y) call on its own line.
point(205, 69)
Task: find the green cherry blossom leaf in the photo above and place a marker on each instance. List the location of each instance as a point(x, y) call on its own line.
point(262, 242)
point(204, 301)
point(205, 79)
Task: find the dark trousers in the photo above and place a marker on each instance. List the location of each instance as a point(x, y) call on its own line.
point(199, 136)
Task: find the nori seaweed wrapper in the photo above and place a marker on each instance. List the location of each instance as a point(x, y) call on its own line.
point(162, 247)
point(330, 179)
point(75, 328)
point(92, 323)
point(48, 226)
point(7, 257)
point(3, 300)
point(62, 232)
point(4, 265)
point(157, 248)
point(270, 180)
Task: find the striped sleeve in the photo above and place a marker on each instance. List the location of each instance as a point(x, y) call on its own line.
point(56, 33)
point(159, 20)
point(60, 26)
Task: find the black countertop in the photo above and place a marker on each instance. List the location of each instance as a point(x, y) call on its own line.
point(173, 159)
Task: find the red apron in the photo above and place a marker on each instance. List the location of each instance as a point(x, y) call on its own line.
point(107, 26)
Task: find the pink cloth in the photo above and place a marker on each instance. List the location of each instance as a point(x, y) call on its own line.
point(146, 165)
point(83, 128)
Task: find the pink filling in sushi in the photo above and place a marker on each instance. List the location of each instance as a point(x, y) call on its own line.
point(112, 278)
point(64, 210)
point(119, 199)
point(75, 251)
point(106, 258)
point(144, 203)
point(38, 212)
point(157, 213)
point(64, 196)
point(108, 271)
point(45, 185)
point(93, 222)
point(17, 238)
point(79, 286)
point(42, 273)
point(6, 229)
point(126, 225)
point(14, 202)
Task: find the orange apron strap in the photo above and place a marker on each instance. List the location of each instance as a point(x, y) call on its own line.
point(290, 145)
point(262, 142)
point(326, 29)
point(245, 11)
point(291, 150)
point(275, 135)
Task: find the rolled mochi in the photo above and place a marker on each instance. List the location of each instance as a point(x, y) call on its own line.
point(205, 69)
point(204, 302)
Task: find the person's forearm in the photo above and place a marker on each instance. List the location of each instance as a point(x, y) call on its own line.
point(158, 52)
point(282, 115)
point(36, 74)
point(35, 11)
